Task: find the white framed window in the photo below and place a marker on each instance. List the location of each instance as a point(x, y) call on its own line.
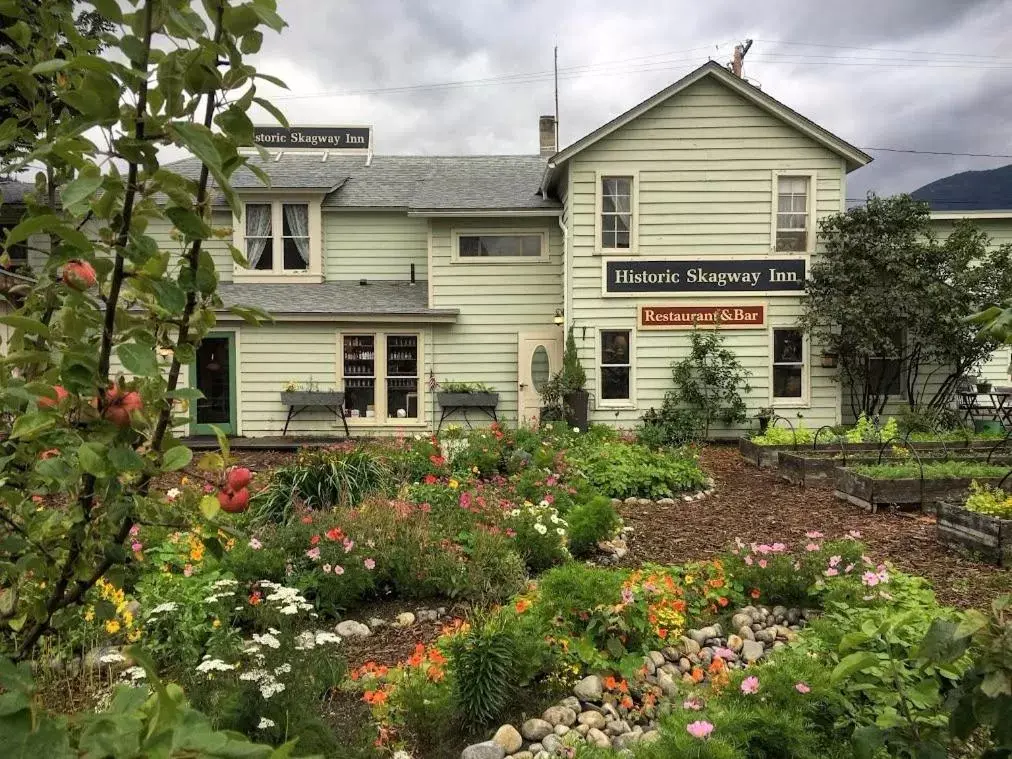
point(793, 231)
point(616, 376)
point(381, 377)
point(616, 212)
point(789, 383)
point(476, 246)
point(281, 240)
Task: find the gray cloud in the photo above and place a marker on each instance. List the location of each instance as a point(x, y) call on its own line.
point(612, 56)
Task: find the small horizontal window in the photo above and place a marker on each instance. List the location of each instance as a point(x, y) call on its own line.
point(499, 246)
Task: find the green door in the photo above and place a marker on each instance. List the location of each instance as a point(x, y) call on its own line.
point(213, 373)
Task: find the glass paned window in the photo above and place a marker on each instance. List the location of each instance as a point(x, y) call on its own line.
point(788, 363)
point(402, 377)
point(360, 376)
point(884, 372)
point(499, 246)
point(295, 236)
point(616, 212)
point(616, 365)
point(259, 236)
point(792, 214)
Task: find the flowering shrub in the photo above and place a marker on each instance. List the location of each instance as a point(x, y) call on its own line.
point(538, 533)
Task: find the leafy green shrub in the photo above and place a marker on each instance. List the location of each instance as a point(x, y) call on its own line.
point(670, 426)
point(867, 430)
point(933, 470)
point(539, 535)
point(570, 589)
point(994, 502)
point(711, 380)
point(621, 471)
point(784, 435)
point(319, 479)
point(465, 387)
point(493, 572)
point(483, 661)
point(590, 522)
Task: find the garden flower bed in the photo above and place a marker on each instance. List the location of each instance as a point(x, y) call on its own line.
point(906, 484)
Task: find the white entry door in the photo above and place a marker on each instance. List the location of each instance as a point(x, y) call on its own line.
point(539, 357)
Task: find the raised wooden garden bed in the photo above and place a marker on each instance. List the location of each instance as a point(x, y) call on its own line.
point(812, 468)
point(871, 493)
point(988, 536)
point(768, 456)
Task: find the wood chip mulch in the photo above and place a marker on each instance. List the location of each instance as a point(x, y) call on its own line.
point(756, 505)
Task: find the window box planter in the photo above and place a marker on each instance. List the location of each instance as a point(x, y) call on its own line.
point(312, 398)
point(468, 400)
point(991, 537)
point(870, 493)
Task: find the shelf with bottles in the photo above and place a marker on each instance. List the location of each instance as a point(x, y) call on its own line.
point(359, 349)
point(353, 383)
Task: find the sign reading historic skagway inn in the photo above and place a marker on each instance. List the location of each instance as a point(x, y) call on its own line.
point(759, 276)
point(313, 138)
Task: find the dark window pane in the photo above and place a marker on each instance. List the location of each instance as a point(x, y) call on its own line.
point(792, 241)
point(213, 381)
point(265, 248)
point(295, 219)
point(495, 246)
point(614, 346)
point(293, 255)
point(614, 382)
point(258, 220)
point(402, 398)
point(621, 240)
point(788, 346)
point(402, 356)
point(787, 381)
point(359, 397)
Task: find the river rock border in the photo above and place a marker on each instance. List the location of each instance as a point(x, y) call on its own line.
point(592, 716)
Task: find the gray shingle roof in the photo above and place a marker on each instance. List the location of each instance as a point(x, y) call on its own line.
point(334, 298)
point(14, 192)
point(437, 183)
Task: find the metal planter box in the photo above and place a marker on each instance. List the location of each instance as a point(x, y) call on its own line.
point(474, 400)
point(870, 493)
point(991, 537)
point(312, 397)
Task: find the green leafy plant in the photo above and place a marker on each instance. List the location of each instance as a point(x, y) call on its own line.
point(671, 425)
point(933, 470)
point(484, 663)
point(465, 387)
point(867, 430)
point(621, 471)
point(590, 522)
point(992, 501)
point(570, 379)
point(711, 380)
point(800, 435)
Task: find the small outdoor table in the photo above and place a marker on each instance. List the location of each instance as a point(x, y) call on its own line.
point(303, 400)
point(998, 406)
point(451, 402)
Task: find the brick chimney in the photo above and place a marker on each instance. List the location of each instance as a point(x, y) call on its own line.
point(546, 136)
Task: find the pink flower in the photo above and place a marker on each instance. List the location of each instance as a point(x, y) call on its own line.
point(870, 579)
point(750, 685)
point(802, 688)
point(762, 563)
point(255, 544)
point(723, 653)
point(208, 487)
point(313, 553)
point(627, 596)
point(348, 544)
point(835, 560)
point(135, 530)
point(510, 532)
point(693, 704)
point(778, 547)
point(854, 534)
point(848, 569)
point(369, 564)
point(187, 570)
point(338, 569)
point(814, 534)
point(812, 547)
point(764, 549)
point(699, 729)
point(465, 500)
point(136, 546)
point(326, 569)
point(748, 559)
point(831, 572)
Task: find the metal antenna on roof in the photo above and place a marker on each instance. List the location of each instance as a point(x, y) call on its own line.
point(556, 97)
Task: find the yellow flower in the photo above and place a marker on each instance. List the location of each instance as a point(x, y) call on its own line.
point(453, 484)
point(134, 635)
point(112, 627)
point(89, 614)
point(128, 618)
point(216, 624)
point(184, 481)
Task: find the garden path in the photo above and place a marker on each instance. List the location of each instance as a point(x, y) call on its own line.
point(757, 505)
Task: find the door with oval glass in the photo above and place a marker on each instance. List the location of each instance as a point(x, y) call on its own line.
point(539, 357)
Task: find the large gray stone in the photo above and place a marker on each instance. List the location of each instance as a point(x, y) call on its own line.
point(740, 620)
point(667, 684)
point(509, 738)
point(559, 715)
point(657, 658)
point(560, 730)
point(596, 738)
point(625, 740)
point(734, 642)
point(552, 743)
point(535, 729)
point(592, 719)
point(751, 651)
point(690, 646)
point(589, 689)
point(617, 727)
point(349, 628)
point(486, 750)
point(650, 736)
point(571, 702)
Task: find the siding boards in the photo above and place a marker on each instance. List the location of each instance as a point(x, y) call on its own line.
point(705, 161)
point(373, 245)
point(496, 302)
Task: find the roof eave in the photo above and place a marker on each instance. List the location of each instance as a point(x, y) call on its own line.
point(432, 316)
point(996, 213)
point(485, 212)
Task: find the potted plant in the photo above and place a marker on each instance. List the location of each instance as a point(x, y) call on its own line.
point(764, 415)
point(310, 394)
point(467, 394)
point(565, 396)
point(983, 386)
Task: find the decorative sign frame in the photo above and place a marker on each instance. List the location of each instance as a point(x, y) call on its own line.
point(690, 277)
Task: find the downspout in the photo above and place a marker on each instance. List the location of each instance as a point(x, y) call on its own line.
point(565, 277)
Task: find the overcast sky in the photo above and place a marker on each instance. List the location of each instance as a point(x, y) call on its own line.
point(932, 75)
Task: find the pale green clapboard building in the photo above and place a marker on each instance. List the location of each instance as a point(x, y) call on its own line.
point(388, 276)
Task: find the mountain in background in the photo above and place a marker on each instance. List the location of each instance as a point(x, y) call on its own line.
point(988, 190)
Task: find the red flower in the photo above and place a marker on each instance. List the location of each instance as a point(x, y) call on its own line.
point(754, 593)
point(437, 460)
point(430, 479)
point(314, 540)
point(334, 533)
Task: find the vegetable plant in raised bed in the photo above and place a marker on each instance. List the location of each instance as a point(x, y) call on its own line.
point(812, 467)
point(912, 483)
point(983, 524)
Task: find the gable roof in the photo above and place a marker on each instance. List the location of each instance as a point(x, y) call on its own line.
point(855, 157)
point(413, 183)
point(970, 191)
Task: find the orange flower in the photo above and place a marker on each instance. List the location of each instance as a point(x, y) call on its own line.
point(418, 656)
point(754, 592)
point(697, 674)
point(626, 702)
point(436, 657)
point(610, 683)
point(662, 633)
point(374, 697)
point(522, 605)
point(435, 674)
point(722, 601)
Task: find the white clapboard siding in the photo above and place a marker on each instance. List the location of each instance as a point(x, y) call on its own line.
point(373, 245)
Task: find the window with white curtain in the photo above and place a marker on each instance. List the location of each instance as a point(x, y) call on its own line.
point(792, 214)
point(277, 237)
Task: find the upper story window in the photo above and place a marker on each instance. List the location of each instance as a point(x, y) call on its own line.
point(281, 238)
point(616, 212)
point(792, 226)
point(500, 247)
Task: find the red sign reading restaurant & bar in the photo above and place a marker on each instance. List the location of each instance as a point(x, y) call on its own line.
point(687, 317)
